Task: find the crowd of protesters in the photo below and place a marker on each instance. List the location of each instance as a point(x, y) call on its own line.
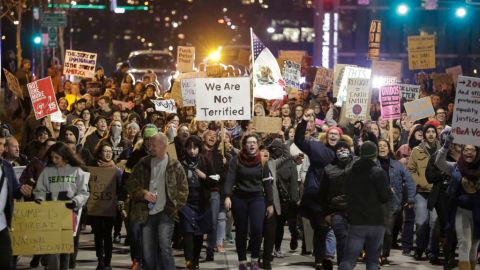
point(348, 190)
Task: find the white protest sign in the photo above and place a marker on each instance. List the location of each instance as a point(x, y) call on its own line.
point(188, 92)
point(338, 71)
point(185, 58)
point(350, 73)
point(81, 64)
point(358, 98)
point(419, 108)
point(291, 74)
point(167, 105)
point(409, 91)
point(223, 99)
point(466, 118)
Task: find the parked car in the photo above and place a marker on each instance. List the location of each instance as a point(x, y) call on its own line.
point(161, 63)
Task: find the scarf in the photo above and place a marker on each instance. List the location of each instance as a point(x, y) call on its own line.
point(471, 171)
point(249, 160)
point(191, 165)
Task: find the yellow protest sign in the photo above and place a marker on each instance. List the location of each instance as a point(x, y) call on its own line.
point(103, 192)
point(264, 124)
point(421, 52)
point(42, 228)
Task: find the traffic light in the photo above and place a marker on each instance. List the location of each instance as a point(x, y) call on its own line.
point(402, 9)
point(460, 12)
point(37, 39)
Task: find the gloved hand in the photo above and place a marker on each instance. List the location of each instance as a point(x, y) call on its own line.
point(71, 205)
point(215, 177)
point(357, 127)
point(448, 141)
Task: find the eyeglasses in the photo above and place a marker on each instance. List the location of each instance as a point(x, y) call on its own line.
point(251, 142)
point(107, 151)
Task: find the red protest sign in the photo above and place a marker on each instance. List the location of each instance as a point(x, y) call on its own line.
point(390, 102)
point(43, 97)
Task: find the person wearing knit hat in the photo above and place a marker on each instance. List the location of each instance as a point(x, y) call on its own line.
point(333, 135)
point(368, 150)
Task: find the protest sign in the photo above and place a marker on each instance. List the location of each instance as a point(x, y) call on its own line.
point(358, 97)
point(409, 92)
point(455, 72)
point(374, 39)
point(165, 105)
point(13, 84)
point(291, 74)
point(123, 105)
point(188, 92)
point(292, 55)
point(323, 80)
point(185, 58)
point(387, 69)
point(338, 71)
point(222, 99)
point(419, 108)
point(42, 228)
point(176, 92)
point(43, 98)
point(350, 73)
point(103, 192)
point(390, 102)
point(421, 52)
point(81, 64)
point(466, 117)
point(442, 81)
point(264, 124)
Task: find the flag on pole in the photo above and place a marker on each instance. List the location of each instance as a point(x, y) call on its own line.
point(267, 77)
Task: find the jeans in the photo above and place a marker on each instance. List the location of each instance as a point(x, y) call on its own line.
point(221, 225)
point(6, 257)
point(135, 238)
point(320, 231)
point(408, 229)
point(248, 210)
point(340, 229)
point(330, 244)
point(425, 223)
point(215, 208)
point(157, 235)
point(467, 244)
point(102, 230)
point(388, 237)
point(359, 236)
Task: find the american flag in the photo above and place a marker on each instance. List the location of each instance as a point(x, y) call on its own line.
point(257, 46)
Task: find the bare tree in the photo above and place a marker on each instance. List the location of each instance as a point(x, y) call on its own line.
point(13, 10)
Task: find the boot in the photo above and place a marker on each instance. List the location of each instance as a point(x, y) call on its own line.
point(473, 264)
point(189, 265)
point(464, 266)
point(101, 264)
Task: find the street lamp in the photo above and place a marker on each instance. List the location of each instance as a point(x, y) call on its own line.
point(402, 9)
point(461, 12)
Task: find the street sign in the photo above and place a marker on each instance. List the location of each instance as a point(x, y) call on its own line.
point(49, 19)
point(52, 37)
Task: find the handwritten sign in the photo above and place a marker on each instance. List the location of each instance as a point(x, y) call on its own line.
point(45, 228)
point(374, 39)
point(264, 124)
point(409, 92)
point(387, 69)
point(338, 71)
point(188, 92)
point(323, 80)
point(167, 105)
point(103, 192)
point(466, 117)
point(13, 84)
point(292, 55)
point(43, 98)
point(419, 108)
point(185, 58)
point(222, 99)
point(390, 102)
point(421, 52)
point(358, 97)
point(350, 73)
point(81, 64)
point(291, 74)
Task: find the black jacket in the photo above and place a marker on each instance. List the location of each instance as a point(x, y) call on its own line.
point(13, 189)
point(367, 190)
point(439, 179)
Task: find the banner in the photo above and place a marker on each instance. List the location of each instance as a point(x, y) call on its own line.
point(222, 99)
point(292, 55)
point(358, 97)
point(390, 102)
point(409, 92)
point(466, 117)
point(185, 58)
point(421, 52)
point(419, 108)
point(455, 72)
point(81, 64)
point(103, 192)
point(43, 98)
point(165, 105)
point(350, 73)
point(13, 84)
point(188, 92)
point(338, 71)
point(291, 74)
point(45, 228)
point(323, 80)
point(374, 39)
point(387, 69)
point(264, 124)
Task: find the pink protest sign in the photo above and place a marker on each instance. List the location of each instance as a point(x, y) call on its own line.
point(43, 97)
point(390, 102)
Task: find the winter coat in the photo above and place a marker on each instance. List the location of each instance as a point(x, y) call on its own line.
point(438, 178)
point(400, 177)
point(13, 189)
point(417, 166)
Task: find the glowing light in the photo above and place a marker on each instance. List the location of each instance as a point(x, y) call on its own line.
point(73, 3)
point(233, 27)
point(221, 21)
point(174, 24)
point(15, 22)
point(461, 12)
point(170, 48)
point(402, 9)
point(37, 40)
point(215, 55)
point(119, 10)
point(271, 30)
point(474, 71)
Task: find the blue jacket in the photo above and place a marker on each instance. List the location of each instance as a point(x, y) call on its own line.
point(399, 177)
point(13, 187)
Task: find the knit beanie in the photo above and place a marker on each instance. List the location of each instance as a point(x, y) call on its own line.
point(341, 144)
point(340, 131)
point(426, 127)
point(368, 150)
point(149, 130)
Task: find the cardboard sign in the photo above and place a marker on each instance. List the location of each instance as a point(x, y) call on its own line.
point(43, 98)
point(421, 52)
point(374, 39)
point(223, 99)
point(455, 72)
point(338, 71)
point(188, 92)
point(409, 92)
point(358, 97)
point(292, 55)
point(103, 192)
point(419, 108)
point(466, 117)
point(166, 105)
point(442, 80)
point(123, 105)
point(13, 84)
point(323, 80)
point(44, 228)
point(185, 58)
point(390, 102)
point(291, 74)
point(81, 64)
point(350, 73)
point(263, 124)
point(387, 69)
